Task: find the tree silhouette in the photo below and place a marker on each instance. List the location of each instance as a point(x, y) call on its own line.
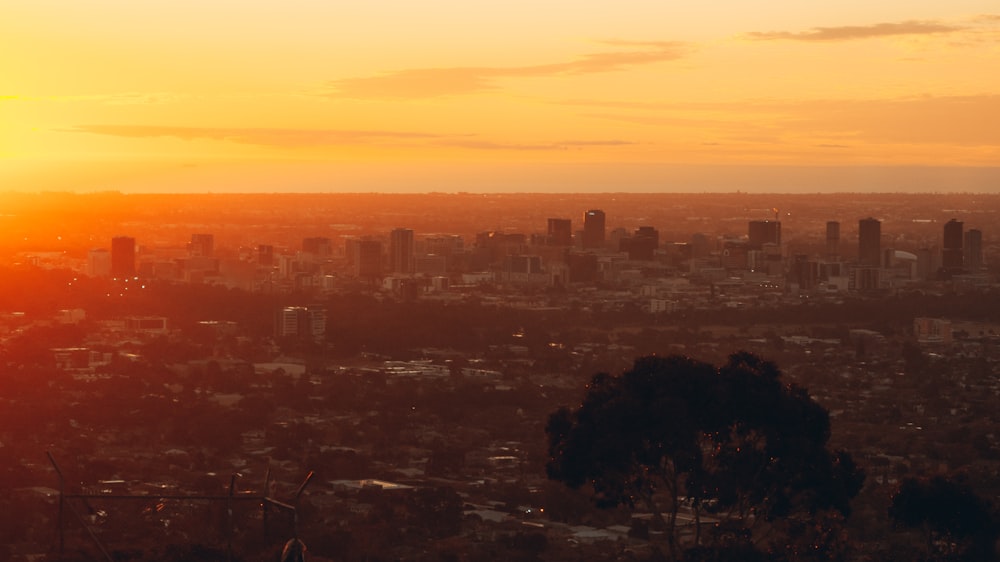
point(956, 522)
point(695, 444)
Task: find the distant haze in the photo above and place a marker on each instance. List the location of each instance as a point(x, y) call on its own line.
point(513, 178)
point(437, 95)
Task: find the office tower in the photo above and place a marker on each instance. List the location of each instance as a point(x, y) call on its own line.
point(643, 244)
point(201, 246)
point(265, 255)
point(367, 258)
point(832, 239)
point(593, 230)
point(951, 249)
point(99, 263)
point(444, 244)
point(701, 245)
point(764, 232)
point(318, 246)
point(123, 256)
point(804, 273)
point(301, 321)
point(870, 242)
point(973, 251)
point(401, 250)
point(560, 232)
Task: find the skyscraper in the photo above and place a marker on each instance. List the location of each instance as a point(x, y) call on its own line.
point(265, 255)
point(302, 321)
point(367, 259)
point(202, 245)
point(973, 252)
point(401, 250)
point(318, 246)
point(951, 248)
point(642, 245)
point(99, 263)
point(123, 256)
point(832, 239)
point(870, 242)
point(593, 229)
point(764, 232)
point(560, 232)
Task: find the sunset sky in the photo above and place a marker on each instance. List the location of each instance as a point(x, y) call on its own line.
point(447, 95)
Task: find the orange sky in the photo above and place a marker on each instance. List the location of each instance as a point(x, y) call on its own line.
point(442, 95)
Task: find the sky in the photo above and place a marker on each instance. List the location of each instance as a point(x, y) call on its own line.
point(448, 95)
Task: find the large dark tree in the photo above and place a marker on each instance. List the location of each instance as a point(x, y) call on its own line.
point(695, 444)
point(957, 524)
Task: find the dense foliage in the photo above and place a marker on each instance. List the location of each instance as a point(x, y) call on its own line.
point(695, 444)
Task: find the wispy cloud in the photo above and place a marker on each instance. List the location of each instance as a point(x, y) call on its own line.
point(562, 145)
point(931, 120)
point(255, 136)
point(854, 32)
point(298, 138)
point(432, 82)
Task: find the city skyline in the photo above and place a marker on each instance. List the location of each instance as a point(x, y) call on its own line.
point(306, 96)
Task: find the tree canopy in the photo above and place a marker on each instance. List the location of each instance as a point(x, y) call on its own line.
point(955, 521)
point(732, 447)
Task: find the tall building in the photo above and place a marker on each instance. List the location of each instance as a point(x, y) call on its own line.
point(99, 263)
point(804, 273)
point(318, 246)
point(560, 232)
point(593, 229)
point(870, 242)
point(123, 256)
point(642, 245)
point(951, 249)
point(300, 321)
point(401, 250)
point(973, 252)
point(265, 255)
point(832, 239)
point(764, 232)
point(201, 246)
point(367, 259)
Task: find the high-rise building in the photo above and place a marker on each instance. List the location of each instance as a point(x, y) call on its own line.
point(99, 263)
point(593, 229)
point(560, 232)
point(265, 255)
point(832, 239)
point(804, 273)
point(317, 246)
point(870, 242)
point(764, 232)
point(951, 248)
point(365, 256)
point(642, 245)
point(301, 321)
point(201, 246)
point(123, 256)
point(401, 250)
point(973, 252)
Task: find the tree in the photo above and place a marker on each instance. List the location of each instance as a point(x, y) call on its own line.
point(730, 445)
point(955, 521)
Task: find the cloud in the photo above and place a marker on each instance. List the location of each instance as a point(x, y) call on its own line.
point(296, 138)
point(598, 143)
point(563, 145)
point(255, 136)
point(854, 32)
point(432, 82)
